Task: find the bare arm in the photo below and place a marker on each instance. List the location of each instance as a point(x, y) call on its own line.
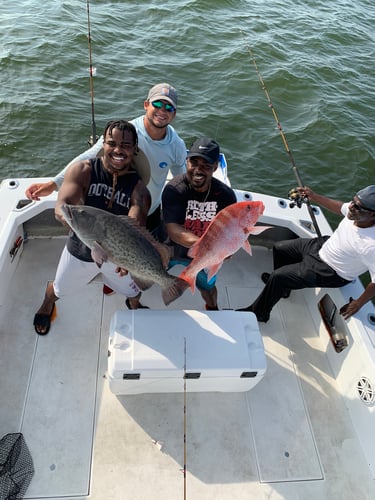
point(35, 191)
point(332, 205)
point(140, 203)
point(178, 234)
point(74, 187)
point(38, 189)
point(355, 305)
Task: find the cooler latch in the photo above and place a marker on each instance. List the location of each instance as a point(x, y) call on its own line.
point(248, 374)
point(131, 376)
point(192, 375)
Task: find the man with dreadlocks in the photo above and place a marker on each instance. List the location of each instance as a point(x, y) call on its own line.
point(161, 151)
point(108, 183)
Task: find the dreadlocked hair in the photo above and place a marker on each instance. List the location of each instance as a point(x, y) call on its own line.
point(123, 126)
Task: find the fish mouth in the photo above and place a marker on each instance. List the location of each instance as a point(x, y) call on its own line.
point(67, 213)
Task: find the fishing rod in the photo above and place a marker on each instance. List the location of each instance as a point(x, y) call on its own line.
point(293, 194)
point(93, 138)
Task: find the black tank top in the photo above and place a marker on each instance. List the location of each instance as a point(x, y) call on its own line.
point(98, 195)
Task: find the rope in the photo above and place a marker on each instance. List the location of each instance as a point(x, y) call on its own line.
point(114, 184)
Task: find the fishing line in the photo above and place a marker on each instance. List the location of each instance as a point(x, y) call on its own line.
point(93, 138)
point(278, 124)
point(217, 130)
point(185, 418)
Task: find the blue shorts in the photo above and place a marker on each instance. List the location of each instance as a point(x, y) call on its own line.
point(201, 281)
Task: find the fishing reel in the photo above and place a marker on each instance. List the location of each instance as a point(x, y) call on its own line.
point(296, 198)
point(91, 140)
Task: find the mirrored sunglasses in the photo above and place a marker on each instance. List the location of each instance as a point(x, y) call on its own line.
point(160, 105)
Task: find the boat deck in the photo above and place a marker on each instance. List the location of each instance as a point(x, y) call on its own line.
point(288, 438)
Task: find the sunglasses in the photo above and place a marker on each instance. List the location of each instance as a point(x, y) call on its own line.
point(360, 208)
point(166, 106)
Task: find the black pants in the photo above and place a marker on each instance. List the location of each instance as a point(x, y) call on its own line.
point(156, 226)
point(153, 220)
point(297, 265)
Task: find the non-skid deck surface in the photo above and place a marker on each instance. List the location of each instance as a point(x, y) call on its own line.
point(288, 438)
point(51, 381)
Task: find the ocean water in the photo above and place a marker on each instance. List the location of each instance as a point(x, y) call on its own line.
point(316, 58)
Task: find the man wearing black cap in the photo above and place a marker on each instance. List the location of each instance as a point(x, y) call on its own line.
point(190, 202)
point(326, 261)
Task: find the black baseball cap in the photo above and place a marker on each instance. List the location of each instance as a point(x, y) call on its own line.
point(205, 148)
point(367, 197)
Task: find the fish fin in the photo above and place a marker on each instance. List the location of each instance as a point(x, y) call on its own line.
point(128, 220)
point(259, 229)
point(141, 283)
point(193, 250)
point(247, 247)
point(98, 254)
point(188, 278)
point(212, 270)
point(175, 290)
point(164, 251)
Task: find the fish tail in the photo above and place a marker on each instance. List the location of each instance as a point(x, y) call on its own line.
point(174, 290)
point(190, 278)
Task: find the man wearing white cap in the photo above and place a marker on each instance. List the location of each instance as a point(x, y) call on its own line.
point(329, 261)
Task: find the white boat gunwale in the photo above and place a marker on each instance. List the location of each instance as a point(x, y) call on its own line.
point(348, 367)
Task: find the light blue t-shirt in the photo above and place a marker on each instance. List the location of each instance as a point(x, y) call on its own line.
point(168, 154)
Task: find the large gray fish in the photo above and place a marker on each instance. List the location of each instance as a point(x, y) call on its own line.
point(122, 241)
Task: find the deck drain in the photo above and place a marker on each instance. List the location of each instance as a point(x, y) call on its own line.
point(13, 184)
point(366, 391)
point(371, 318)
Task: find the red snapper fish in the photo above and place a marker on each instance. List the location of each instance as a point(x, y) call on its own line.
point(226, 233)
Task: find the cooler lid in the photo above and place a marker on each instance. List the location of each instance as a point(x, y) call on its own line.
point(218, 343)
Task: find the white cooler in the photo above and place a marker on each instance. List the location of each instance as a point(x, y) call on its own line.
point(152, 351)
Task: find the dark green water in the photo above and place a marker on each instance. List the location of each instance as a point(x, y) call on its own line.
point(316, 58)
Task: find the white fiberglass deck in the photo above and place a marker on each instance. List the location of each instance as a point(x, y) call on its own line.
point(288, 438)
